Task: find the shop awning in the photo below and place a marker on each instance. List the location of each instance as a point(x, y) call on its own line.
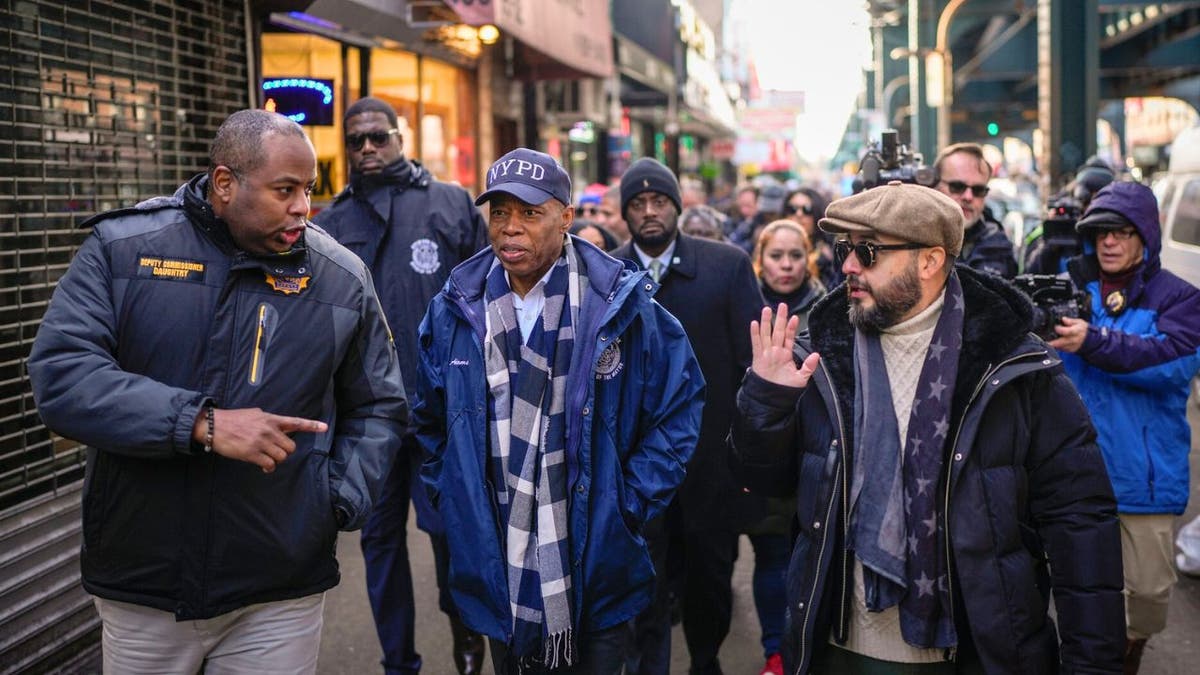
point(577, 34)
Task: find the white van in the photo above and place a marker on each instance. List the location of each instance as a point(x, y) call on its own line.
point(1179, 210)
point(1179, 207)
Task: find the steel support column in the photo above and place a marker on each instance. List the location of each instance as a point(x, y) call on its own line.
point(922, 36)
point(1068, 86)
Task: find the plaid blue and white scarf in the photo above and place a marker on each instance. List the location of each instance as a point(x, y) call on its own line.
point(527, 438)
point(897, 527)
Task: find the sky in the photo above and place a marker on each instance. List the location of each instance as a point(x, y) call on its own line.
point(818, 46)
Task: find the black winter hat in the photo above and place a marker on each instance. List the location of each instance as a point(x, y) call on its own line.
point(649, 175)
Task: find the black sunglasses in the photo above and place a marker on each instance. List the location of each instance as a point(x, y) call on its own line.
point(957, 187)
point(807, 209)
point(377, 138)
point(867, 251)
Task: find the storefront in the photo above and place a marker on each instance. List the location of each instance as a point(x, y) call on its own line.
point(556, 59)
point(648, 58)
point(432, 86)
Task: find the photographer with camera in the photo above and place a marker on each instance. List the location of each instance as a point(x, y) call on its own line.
point(962, 174)
point(1049, 246)
point(1132, 359)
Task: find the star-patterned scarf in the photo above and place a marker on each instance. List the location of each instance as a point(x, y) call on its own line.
point(897, 528)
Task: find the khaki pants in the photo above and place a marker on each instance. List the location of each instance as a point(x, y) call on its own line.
point(270, 638)
point(1147, 551)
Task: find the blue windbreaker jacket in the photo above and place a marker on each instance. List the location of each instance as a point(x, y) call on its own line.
point(160, 312)
point(634, 397)
point(1135, 366)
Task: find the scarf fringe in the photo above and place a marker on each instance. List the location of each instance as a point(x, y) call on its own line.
point(559, 650)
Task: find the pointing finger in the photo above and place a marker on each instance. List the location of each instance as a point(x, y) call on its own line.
point(291, 424)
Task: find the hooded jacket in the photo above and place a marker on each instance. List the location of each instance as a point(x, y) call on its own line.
point(159, 313)
point(634, 395)
point(1022, 484)
point(1136, 363)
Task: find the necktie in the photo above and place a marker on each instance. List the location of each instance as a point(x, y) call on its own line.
point(656, 270)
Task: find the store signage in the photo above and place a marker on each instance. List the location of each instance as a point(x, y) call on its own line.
point(722, 148)
point(303, 100)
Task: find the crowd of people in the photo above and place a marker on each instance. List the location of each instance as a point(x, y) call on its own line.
point(589, 395)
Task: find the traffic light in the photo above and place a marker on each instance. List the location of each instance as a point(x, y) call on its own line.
point(993, 129)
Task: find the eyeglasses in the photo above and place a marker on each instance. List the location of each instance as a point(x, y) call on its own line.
point(806, 209)
point(588, 211)
point(377, 138)
point(867, 251)
point(1123, 234)
point(957, 187)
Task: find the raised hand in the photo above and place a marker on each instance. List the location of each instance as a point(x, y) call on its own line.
point(251, 435)
point(772, 340)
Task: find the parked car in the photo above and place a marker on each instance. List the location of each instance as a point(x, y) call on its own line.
point(1178, 194)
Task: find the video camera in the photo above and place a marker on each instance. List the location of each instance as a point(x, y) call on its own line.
point(1062, 212)
point(891, 160)
point(1054, 298)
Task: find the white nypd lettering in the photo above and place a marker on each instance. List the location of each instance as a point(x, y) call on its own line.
point(523, 169)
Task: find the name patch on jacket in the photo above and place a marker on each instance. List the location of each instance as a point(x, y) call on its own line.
point(287, 285)
point(170, 268)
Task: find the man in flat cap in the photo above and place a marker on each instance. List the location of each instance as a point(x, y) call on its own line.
point(946, 473)
point(1133, 357)
point(557, 405)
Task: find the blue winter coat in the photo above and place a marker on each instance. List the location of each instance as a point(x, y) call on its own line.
point(634, 397)
point(1135, 365)
point(160, 312)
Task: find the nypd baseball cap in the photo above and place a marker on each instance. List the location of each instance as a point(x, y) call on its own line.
point(531, 176)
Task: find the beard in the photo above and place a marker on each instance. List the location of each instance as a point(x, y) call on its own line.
point(892, 300)
point(669, 225)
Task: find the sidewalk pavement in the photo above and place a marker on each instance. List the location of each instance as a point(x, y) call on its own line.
point(349, 645)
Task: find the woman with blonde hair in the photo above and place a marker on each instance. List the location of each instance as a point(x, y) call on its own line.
point(787, 273)
point(786, 268)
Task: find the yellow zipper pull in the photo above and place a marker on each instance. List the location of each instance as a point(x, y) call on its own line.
point(262, 324)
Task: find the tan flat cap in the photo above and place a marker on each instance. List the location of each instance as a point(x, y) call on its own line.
point(903, 210)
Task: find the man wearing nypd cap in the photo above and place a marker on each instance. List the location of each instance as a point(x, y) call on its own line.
point(557, 405)
point(711, 288)
point(946, 472)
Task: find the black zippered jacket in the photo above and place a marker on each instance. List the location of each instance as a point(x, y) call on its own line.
point(1029, 507)
point(158, 313)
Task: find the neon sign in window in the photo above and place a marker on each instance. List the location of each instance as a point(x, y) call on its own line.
point(301, 99)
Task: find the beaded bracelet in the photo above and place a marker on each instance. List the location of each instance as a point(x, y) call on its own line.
point(208, 434)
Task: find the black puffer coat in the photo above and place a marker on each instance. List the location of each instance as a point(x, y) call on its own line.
point(1027, 499)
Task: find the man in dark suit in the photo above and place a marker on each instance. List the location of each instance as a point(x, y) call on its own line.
point(711, 288)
